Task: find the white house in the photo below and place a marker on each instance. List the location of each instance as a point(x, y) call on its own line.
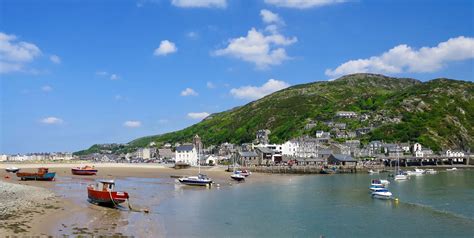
point(186, 154)
point(290, 148)
point(143, 153)
point(345, 114)
point(417, 147)
point(3, 157)
point(456, 154)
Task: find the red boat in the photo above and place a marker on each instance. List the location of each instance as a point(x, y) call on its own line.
point(103, 193)
point(85, 170)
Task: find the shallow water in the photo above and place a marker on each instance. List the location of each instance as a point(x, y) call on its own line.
point(440, 205)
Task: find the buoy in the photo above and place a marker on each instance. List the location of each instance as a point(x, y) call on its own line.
point(7, 177)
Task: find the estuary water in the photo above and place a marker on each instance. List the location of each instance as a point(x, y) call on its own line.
point(440, 205)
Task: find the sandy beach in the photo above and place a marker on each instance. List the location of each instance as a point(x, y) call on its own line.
point(53, 211)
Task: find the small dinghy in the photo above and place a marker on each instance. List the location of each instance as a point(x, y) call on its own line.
point(375, 188)
point(103, 193)
point(12, 169)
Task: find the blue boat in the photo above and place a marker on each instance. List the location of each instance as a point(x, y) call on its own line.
point(200, 180)
point(42, 174)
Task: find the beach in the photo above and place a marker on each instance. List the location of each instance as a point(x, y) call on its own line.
point(265, 205)
point(55, 210)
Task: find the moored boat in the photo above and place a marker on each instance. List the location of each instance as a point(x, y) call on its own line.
point(102, 193)
point(400, 177)
point(84, 170)
point(42, 174)
point(382, 194)
point(237, 176)
point(374, 188)
point(416, 172)
point(380, 182)
point(244, 172)
point(12, 169)
point(200, 180)
point(431, 171)
point(452, 169)
point(373, 171)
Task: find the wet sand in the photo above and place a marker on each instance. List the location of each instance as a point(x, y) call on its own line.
point(70, 214)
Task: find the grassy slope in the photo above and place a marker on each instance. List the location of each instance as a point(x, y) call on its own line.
point(438, 113)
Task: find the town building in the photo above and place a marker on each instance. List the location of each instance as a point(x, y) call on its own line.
point(262, 137)
point(186, 154)
point(454, 154)
point(345, 160)
point(346, 114)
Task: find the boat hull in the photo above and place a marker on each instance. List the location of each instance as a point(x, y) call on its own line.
point(84, 171)
point(106, 198)
point(238, 178)
point(36, 176)
point(194, 182)
point(12, 170)
point(380, 196)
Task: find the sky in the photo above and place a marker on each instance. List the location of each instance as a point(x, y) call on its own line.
point(75, 73)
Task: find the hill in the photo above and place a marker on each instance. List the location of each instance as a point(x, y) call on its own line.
point(438, 113)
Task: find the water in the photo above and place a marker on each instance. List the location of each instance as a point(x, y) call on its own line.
point(440, 205)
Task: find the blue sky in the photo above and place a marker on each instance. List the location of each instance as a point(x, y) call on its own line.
point(75, 73)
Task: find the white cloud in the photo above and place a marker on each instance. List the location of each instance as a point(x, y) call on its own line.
point(55, 59)
point(200, 3)
point(14, 54)
point(192, 35)
point(189, 92)
point(262, 50)
point(118, 97)
point(403, 58)
point(46, 88)
point(114, 77)
point(198, 115)
point(210, 85)
point(270, 17)
point(132, 124)
point(255, 92)
point(102, 73)
point(302, 4)
point(51, 120)
point(166, 47)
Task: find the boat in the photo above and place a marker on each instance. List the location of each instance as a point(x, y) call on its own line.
point(237, 176)
point(452, 169)
point(380, 182)
point(244, 172)
point(382, 194)
point(416, 172)
point(200, 180)
point(12, 169)
point(42, 174)
point(399, 175)
point(373, 172)
point(374, 188)
point(431, 171)
point(102, 193)
point(84, 170)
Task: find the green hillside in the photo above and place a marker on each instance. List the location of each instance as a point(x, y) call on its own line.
point(438, 113)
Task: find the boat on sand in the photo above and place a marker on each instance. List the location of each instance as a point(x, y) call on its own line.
point(103, 193)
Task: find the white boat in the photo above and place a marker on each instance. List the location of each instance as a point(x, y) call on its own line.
point(399, 174)
point(379, 182)
point(373, 172)
point(200, 179)
point(431, 171)
point(382, 194)
point(244, 172)
point(12, 169)
point(416, 172)
point(384, 182)
point(452, 169)
point(374, 188)
point(237, 176)
point(400, 177)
